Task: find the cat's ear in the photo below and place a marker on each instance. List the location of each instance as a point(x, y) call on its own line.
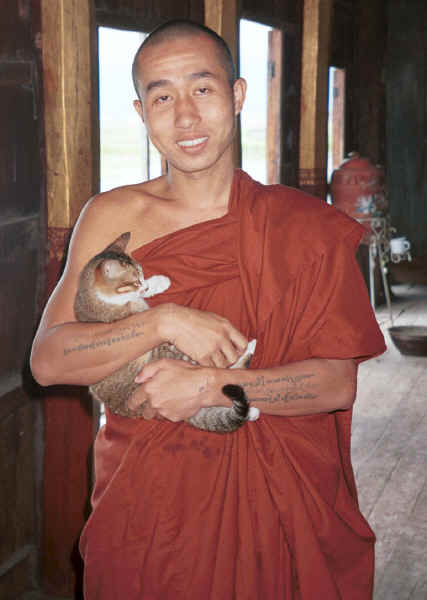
point(111, 269)
point(120, 243)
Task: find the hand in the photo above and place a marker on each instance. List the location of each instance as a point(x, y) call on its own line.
point(173, 389)
point(209, 339)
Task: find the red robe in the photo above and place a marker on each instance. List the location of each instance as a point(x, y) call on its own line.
point(268, 512)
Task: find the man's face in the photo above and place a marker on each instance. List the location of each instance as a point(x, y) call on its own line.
point(187, 103)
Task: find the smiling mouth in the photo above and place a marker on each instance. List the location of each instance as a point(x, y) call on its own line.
point(190, 143)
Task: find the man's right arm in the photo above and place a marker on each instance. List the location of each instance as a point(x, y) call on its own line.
point(68, 352)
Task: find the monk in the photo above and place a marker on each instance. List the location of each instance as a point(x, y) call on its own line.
point(270, 511)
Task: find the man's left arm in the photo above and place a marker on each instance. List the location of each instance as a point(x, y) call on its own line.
point(177, 390)
point(315, 385)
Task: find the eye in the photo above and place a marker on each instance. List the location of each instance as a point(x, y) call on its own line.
point(202, 91)
point(162, 99)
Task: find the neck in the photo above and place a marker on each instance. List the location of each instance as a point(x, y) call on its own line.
point(207, 190)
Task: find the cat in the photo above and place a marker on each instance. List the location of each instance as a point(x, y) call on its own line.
point(111, 287)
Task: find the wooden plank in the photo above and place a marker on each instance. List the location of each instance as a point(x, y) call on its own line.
point(391, 420)
point(406, 128)
point(274, 105)
point(71, 153)
point(314, 102)
point(338, 118)
point(221, 16)
point(70, 117)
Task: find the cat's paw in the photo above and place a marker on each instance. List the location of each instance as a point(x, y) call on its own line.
point(253, 413)
point(156, 285)
point(250, 348)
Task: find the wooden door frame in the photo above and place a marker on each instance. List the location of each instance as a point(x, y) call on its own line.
point(68, 35)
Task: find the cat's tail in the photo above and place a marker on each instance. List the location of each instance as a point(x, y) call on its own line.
point(223, 419)
point(240, 402)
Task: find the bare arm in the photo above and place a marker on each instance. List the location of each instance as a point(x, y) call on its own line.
point(301, 388)
point(68, 352)
point(177, 391)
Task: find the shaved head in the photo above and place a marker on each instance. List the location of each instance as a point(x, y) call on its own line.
point(173, 30)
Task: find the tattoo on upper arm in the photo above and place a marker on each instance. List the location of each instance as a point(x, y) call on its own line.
point(122, 335)
point(299, 388)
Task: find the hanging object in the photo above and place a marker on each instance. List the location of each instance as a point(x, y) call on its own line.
point(358, 189)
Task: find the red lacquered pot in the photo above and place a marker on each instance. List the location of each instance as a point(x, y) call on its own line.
point(358, 188)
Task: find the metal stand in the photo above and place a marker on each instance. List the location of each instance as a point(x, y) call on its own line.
point(379, 235)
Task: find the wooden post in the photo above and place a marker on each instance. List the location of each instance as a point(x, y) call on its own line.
point(338, 118)
point(67, 45)
point(222, 17)
point(68, 53)
point(274, 105)
point(314, 101)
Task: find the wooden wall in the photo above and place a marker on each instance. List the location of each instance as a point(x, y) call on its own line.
point(358, 46)
point(382, 44)
point(21, 238)
point(146, 15)
point(406, 84)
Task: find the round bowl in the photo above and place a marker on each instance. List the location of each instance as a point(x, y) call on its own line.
point(410, 339)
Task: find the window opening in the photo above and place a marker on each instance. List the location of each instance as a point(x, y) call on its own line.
point(336, 119)
point(261, 66)
point(126, 154)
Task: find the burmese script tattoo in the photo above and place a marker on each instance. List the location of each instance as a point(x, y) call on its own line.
point(300, 387)
point(123, 335)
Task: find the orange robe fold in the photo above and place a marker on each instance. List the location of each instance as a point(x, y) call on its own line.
point(268, 512)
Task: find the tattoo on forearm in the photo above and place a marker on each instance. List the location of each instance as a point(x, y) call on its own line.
point(260, 381)
point(301, 388)
point(286, 397)
point(122, 335)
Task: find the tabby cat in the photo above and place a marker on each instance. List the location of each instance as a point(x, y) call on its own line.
point(112, 287)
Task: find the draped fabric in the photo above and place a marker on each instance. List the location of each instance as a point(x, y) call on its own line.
point(270, 511)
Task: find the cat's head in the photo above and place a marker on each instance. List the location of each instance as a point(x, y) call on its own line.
point(118, 279)
point(112, 285)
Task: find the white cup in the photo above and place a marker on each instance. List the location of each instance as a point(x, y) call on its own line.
point(399, 245)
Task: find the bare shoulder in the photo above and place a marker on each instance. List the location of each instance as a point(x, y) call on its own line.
point(109, 214)
point(103, 219)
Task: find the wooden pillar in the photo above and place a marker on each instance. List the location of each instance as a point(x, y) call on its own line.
point(274, 106)
point(68, 53)
point(314, 101)
point(223, 17)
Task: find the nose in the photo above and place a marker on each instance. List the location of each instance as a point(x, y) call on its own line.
point(186, 112)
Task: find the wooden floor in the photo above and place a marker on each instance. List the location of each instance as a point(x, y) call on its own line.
point(389, 447)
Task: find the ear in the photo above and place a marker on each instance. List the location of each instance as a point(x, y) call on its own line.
point(239, 94)
point(111, 269)
point(120, 243)
point(138, 107)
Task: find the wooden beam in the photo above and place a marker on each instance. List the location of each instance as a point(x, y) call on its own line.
point(222, 17)
point(274, 112)
point(314, 101)
point(71, 158)
point(69, 56)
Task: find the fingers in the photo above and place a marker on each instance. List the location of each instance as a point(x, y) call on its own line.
point(152, 368)
point(239, 340)
point(140, 399)
point(148, 412)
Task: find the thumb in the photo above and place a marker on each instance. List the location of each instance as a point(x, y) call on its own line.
point(147, 372)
